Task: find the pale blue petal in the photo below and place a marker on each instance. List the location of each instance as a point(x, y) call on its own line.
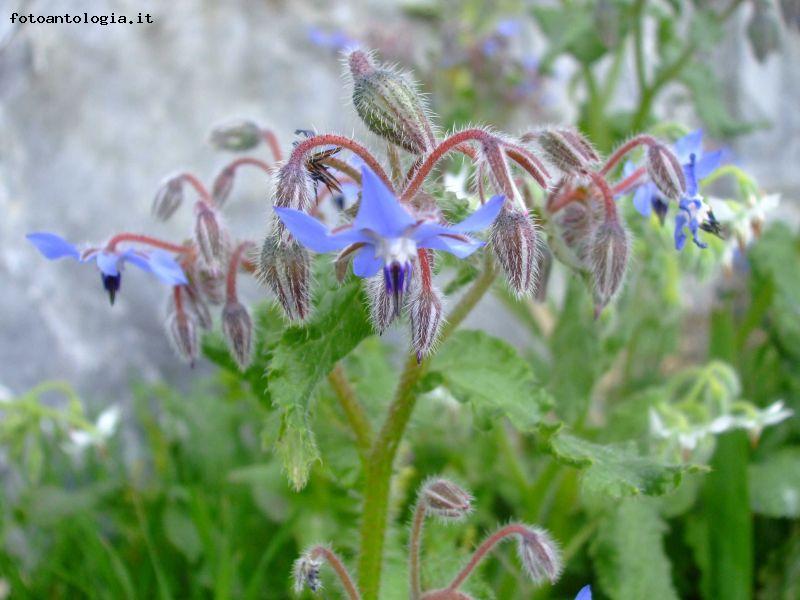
point(585, 593)
point(460, 248)
point(691, 143)
point(311, 233)
point(481, 218)
point(643, 199)
point(380, 211)
point(53, 246)
point(108, 263)
point(628, 168)
point(680, 236)
point(365, 263)
point(708, 163)
point(163, 265)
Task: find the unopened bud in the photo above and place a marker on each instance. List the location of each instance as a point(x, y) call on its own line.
point(425, 311)
point(198, 307)
point(284, 267)
point(764, 30)
point(211, 284)
point(182, 331)
point(539, 555)
point(665, 171)
point(208, 234)
point(567, 149)
point(169, 197)
point(306, 574)
point(390, 105)
point(382, 305)
point(492, 155)
point(236, 135)
point(443, 498)
point(223, 185)
point(238, 331)
point(608, 259)
point(293, 188)
point(514, 241)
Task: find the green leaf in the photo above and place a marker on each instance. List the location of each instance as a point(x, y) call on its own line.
point(628, 553)
point(775, 484)
point(489, 374)
point(570, 29)
point(182, 533)
point(304, 355)
point(616, 470)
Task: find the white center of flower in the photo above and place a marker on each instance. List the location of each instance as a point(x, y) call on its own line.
point(399, 250)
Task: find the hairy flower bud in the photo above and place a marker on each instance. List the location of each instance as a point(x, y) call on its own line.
point(665, 171)
point(293, 188)
point(209, 235)
point(389, 104)
point(443, 498)
point(284, 267)
point(210, 283)
point(382, 308)
point(238, 331)
point(169, 197)
point(306, 574)
point(181, 329)
point(514, 241)
point(235, 135)
point(567, 149)
point(539, 555)
point(608, 259)
point(425, 311)
point(198, 307)
point(223, 185)
point(764, 30)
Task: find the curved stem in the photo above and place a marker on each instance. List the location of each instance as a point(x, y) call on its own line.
point(272, 141)
point(415, 541)
point(627, 183)
point(198, 186)
point(379, 470)
point(479, 554)
point(608, 196)
point(145, 239)
point(338, 566)
point(233, 270)
point(249, 160)
point(528, 161)
point(619, 153)
point(331, 139)
point(354, 412)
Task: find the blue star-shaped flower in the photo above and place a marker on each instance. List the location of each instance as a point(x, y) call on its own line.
point(693, 213)
point(386, 236)
point(110, 263)
point(585, 593)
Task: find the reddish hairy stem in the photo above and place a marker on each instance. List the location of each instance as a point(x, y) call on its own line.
point(424, 268)
point(330, 139)
point(528, 161)
point(619, 153)
point(452, 143)
point(338, 566)
point(145, 239)
point(198, 186)
point(272, 142)
point(608, 196)
point(233, 269)
point(415, 542)
point(627, 183)
point(483, 550)
point(249, 160)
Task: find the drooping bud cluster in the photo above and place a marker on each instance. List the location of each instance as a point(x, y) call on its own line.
point(305, 574)
point(389, 104)
point(236, 136)
point(608, 257)
point(223, 185)
point(665, 171)
point(168, 198)
point(285, 267)
point(567, 150)
point(237, 329)
point(425, 313)
point(209, 235)
point(181, 327)
point(514, 242)
point(538, 554)
point(444, 499)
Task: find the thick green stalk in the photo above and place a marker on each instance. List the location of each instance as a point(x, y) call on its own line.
point(378, 471)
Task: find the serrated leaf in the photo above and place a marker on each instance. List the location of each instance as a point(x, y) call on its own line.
point(775, 484)
point(616, 470)
point(304, 355)
point(490, 375)
point(628, 553)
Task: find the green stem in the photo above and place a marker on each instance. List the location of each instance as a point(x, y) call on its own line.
point(638, 46)
point(378, 471)
point(353, 411)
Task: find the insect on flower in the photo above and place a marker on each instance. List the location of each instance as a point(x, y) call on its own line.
point(385, 235)
point(110, 261)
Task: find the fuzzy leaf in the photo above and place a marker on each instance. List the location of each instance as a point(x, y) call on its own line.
point(489, 374)
point(616, 470)
point(628, 553)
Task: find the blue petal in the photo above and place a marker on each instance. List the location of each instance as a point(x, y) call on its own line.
point(708, 163)
point(312, 234)
point(689, 171)
point(457, 247)
point(680, 236)
point(53, 246)
point(585, 593)
point(108, 263)
point(643, 199)
point(365, 263)
point(628, 168)
point(481, 218)
point(162, 265)
point(691, 143)
point(380, 211)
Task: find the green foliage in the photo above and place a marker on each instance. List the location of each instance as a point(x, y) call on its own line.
point(774, 484)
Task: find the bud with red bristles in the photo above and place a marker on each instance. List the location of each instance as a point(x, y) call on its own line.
point(514, 241)
point(237, 328)
point(567, 149)
point(209, 235)
point(665, 171)
point(285, 268)
point(182, 328)
point(168, 198)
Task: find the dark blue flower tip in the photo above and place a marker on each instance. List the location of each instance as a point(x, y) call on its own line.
point(111, 284)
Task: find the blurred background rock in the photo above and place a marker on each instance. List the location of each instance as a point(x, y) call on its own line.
point(92, 117)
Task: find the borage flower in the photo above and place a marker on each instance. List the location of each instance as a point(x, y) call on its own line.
point(110, 261)
point(385, 235)
point(693, 212)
